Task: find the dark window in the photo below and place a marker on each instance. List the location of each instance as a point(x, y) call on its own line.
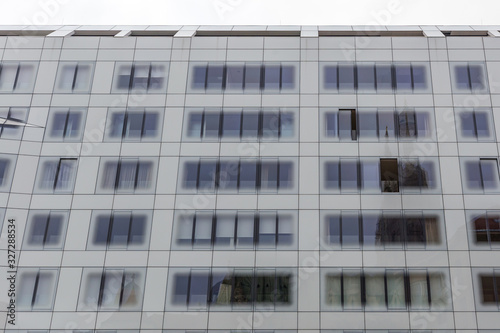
point(58, 175)
point(127, 175)
point(490, 289)
point(262, 125)
point(141, 76)
point(115, 289)
point(120, 230)
point(67, 125)
point(246, 77)
point(133, 124)
point(416, 174)
point(470, 77)
point(243, 175)
point(46, 231)
point(389, 175)
point(366, 77)
point(487, 229)
point(482, 175)
point(475, 124)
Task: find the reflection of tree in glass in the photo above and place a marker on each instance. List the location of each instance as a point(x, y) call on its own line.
point(413, 175)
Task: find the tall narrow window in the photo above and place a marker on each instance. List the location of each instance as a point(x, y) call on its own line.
point(389, 175)
point(348, 124)
point(75, 77)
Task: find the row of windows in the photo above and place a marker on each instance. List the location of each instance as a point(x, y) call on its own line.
point(264, 230)
point(365, 124)
point(389, 229)
point(265, 175)
point(76, 77)
point(244, 77)
point(386, 289)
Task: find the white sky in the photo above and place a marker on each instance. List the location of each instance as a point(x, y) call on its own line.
point(243, 12)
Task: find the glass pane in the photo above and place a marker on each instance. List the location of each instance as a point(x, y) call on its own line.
point(116, 126)
point(392, 230)
point(207, 175)
point(333, 229)
point(54, 230)
point(181, 285)
point(349, 175)
point(248, 175)
point(368, 125)
point(194, 125)
point(419, 77)
point(423, 124)
point(440, 290)
point(403, 77)
point(127, 176)
point(120, 230)
point(215, 76)
point(73, 125)
point(481, 229)
point(224, 234)
point(111, 289)
point(203, 230)
point(270, 125)
point(384, 77)
point(250, 125)
point(25, 77)
point(375, 291)
point(265, 288)
point(231, 125)
point(234, 79)
point(473, 175)
point(67, 76)
point(332, 175)
point(157, 77)
point(350, 230)
point(65, 175)
point(407, 124)
point(346, 77)
point(286, 175)
point(287, 77)
point(331, 125)
point(411, 174)
point(228, 175)
point(418, 290)
point(267, 229)
point(489, 173)
point(49, 174)
point(199, 77)
point(252, 77)
point(366, 77)
point(38, 226)
point(150, 125)
point(124, 77)
point(269, 175)
point(44, 290)
point(221, 289)
point(488, 289)
point(8, 77)
point(83, 77)
point(287, 124)
point(242, 288)
point(198, 292)
point(137, 232)
point(245, 230)
point(494, 229)
point(371, 230)
point(144, 175)
point(141, 77)
point(211, 125)
point(468, 127)
point(333, 291)
point(133, 127)
point(57, 129)
point(272, 77)
point(395, 289)
point(352, 290)
point(285, 229)
point(330, 78)
point(462, 77)
point(190, 175)
point(477, 79)
point(101, 230)
point(370, 176)
point(386, 124)
point(415, 229)
point(345, 125)
point(482, 124)
point(185, 230)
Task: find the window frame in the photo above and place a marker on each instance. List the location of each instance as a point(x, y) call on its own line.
point(76, 79)
point(126, 124)
point(52, 184)
point(53, 113)
point(468, 164)
point(17, 87)
point(456, 89)
point(114, 166)
point(130, 70)
point(45, 245)
point(461, 113)
point(23, 274)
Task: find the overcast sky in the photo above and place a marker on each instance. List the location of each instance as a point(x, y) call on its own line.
point(243, 12)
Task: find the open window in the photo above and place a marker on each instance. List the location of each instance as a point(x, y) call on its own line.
point(389, 174)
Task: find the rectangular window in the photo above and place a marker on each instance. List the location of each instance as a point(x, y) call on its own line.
point(57, 175)
point(111, 289)
point(389, 175)
point(134, 124)
point(390, 289)
point(227, 125)
point(417, 175)
point(485, 228)
point(475, 125)
point(17, 77)
point(36, 289)
point(347, 124)
point(469, 77)
point(65, 125)
point(481, 175)
point(139, 76)
point(4, 172)
point(127, 175)
point(46, 231)
point(74, 77)
point(246, 175)
point(119, 230)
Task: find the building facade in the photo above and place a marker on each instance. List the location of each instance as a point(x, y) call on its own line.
point(249, 179)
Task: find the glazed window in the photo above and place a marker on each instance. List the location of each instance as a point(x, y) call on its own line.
point(65, 125)
point(111, 289)
point(480, 175)
point(13, 122)
point(469, 77)
point(127, 175)
point(241, 124)
point(36, 289)
point(7, 166)
point(17, 77)
point(140, 76)
point(386, 289)
point(57, 175)
point(119, 230)
point(229, 230)
point(475, 125)
point(46, 230)
point(74, 77)
point(134, 125)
